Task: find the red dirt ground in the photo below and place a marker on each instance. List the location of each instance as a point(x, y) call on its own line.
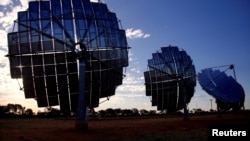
point(132, 129)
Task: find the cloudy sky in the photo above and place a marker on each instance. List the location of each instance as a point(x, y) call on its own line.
point(212, 32)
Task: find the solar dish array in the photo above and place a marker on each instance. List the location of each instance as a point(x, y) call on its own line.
point(225, 89)
point(43, 51)
point(170, 78)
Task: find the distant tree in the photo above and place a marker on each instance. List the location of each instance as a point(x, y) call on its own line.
point(135, 112)
point(102, 113)
point(118, 112)
point(19, 109)
point(92, 112)
point(29, 112)
point(152, 112)
point(11, 108)
point(41, 114)
point(127, 112)
point(212, 111)
point(199, 111)
point(144, 112)
point(53, 112)
point(110, 112)
point(16, 109)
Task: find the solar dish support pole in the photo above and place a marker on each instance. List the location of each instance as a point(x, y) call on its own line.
point(82, 115)
point(186, 117)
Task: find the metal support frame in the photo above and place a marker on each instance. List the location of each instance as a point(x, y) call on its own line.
point(186, 113)
point(82, 115)
point(83, 110)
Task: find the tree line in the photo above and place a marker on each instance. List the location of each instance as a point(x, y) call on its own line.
point(17, 110)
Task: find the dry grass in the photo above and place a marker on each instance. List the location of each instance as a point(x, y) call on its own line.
point(149, 129)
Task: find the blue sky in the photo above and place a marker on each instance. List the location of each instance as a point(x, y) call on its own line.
point(212, 32)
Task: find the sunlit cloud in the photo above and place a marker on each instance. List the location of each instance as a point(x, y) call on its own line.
point(1, 14)
point(7, 19)
point(136, 70)
point(136, 33)
point(3, 40)
point(7, 16)
point(10, 88)
point(94, 0)
point(5, 2)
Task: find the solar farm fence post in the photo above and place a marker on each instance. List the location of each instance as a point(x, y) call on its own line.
point(82, 115)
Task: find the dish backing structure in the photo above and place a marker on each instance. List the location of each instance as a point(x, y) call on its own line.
point(229, 94)
point(170, 79)
point(62, 49)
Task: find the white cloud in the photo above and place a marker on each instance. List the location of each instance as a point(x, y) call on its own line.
point(3, 37)
point(7, 20)
point(136, 70)
point(146, 36)
point(102, 1)
point(9, 88)
point(1, 14)
point(136, 33)
point(5, 2)
point(24, 3)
